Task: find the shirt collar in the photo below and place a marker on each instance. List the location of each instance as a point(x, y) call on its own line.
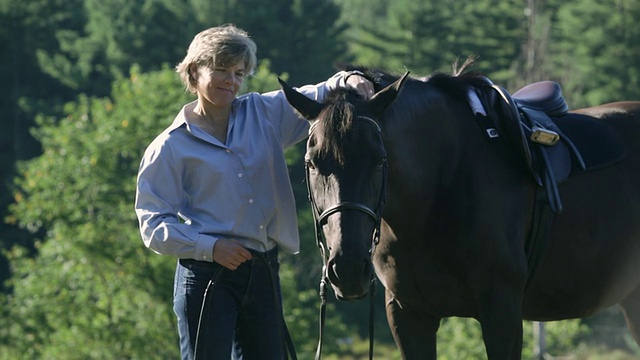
point(181, 118)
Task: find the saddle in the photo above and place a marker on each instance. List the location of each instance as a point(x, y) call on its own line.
point(536, 122)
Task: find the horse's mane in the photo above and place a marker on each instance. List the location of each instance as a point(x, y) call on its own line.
point(338, 123)
point(455, 84)
point(338, 116)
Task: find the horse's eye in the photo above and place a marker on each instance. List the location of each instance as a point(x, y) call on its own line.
point(310, 165)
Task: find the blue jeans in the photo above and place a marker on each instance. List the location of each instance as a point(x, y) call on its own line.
point(242, 316)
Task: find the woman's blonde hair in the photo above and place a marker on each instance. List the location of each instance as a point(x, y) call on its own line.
point(220, 46)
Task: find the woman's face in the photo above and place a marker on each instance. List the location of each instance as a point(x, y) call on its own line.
point(219, 85)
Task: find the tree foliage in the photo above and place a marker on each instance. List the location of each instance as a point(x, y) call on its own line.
point(93, 291)
point(596, 55)
point(81, 283)
point(426, 37)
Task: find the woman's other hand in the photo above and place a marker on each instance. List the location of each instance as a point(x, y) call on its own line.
point(230, 253)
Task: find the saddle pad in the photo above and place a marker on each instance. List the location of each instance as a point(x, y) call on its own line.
point(598, 143)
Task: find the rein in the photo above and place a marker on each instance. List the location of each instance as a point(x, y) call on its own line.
point(321, 217)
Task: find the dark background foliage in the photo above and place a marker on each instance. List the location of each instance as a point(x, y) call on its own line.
point(86, 84)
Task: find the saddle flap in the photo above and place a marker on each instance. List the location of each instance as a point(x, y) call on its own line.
point(503, 117)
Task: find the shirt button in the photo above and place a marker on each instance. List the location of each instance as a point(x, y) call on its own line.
point(261, 227)
point(240, 175)
point(250, 201)
point(228, 151)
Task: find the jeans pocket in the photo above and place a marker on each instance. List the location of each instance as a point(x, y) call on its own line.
point(192, 277)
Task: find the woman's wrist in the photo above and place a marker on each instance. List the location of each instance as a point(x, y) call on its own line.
point(353, 72)
point(360, 83)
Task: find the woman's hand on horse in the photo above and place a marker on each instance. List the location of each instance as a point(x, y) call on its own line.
point(362, 84)
point(230, 253)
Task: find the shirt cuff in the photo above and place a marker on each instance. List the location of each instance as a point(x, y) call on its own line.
point(204, 247)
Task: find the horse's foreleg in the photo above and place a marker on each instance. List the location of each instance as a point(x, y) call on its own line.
point(631, 308)
point(414, 334)
point(501, 321)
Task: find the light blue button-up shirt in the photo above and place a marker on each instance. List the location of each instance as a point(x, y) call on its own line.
point(193, 190)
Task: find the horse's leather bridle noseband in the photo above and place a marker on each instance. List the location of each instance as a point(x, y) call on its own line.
point(321, 217)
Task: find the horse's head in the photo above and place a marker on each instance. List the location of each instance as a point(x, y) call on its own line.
point(346, 177)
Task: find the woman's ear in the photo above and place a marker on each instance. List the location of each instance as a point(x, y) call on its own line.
point(193, 73)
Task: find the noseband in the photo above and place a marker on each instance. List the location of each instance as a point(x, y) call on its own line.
point(321, 218)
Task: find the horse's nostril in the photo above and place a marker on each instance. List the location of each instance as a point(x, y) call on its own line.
point(337, 272)
point(332, 273)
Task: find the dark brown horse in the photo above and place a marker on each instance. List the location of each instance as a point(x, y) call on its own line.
point(459, 214)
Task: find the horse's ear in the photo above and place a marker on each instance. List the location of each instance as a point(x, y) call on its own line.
point(383, 98)
point(308, 108)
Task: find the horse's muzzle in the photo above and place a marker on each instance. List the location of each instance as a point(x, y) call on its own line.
point(350, 280)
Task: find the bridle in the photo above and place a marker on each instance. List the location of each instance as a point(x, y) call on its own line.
point(375, 214)
point(321, 217)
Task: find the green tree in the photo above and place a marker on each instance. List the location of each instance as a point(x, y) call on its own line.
point(533, 64)
point(53, 50)
point(27, 25)
point(300, 37)
point(426, 37)
point(596, 52)
point(93, 290)
point(114, 35)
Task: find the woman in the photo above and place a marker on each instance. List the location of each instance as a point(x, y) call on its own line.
point(213, 191)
